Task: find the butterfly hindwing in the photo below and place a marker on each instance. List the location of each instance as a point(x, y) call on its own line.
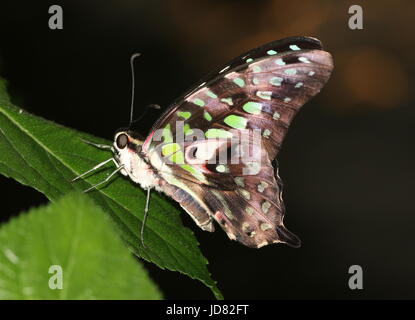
point(261, 90)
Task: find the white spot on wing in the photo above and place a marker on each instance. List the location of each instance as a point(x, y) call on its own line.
point(266, 134)
point(264, 94)
point(260, 245)
point(240, 181)
point(265, 226)
point(265, 206)
point(276, 115)
point(280, 62)
point(245, 194)
point(304, 59)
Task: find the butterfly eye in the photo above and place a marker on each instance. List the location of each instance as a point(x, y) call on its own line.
point(122, 141)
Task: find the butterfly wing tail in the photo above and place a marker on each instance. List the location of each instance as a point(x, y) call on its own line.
point(288, 237)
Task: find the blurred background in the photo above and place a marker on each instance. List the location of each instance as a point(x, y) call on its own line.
point(347, 161)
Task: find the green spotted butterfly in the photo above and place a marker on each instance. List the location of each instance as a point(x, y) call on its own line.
point(214, 149)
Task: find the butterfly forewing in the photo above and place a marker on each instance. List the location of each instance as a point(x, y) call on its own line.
point(260, 90)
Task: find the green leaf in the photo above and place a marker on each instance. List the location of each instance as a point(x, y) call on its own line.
point(68, 250)
point(47, 156)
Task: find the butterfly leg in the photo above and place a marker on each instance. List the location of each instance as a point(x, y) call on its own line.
point(145, 216)
point(99, 165)
point(106, 180)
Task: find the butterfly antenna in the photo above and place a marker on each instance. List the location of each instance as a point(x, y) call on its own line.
point(135, 55)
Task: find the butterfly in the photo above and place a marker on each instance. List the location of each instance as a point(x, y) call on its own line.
point(213, 150)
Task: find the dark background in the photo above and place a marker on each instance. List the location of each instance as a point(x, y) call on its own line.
point(348, 158)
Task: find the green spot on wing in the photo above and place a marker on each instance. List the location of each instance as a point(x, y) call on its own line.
point(236, 122)
point(177, 158)
point(256, 68)
point(187, 130)
point(211, 94)
point(169, 149)
point(199, 102)
point(276, 81)
point(252, 107)
point(185, 115)
point(290, 72)
point(167, 135)
point(207, 116)
point(238, 81)
point(217, 133)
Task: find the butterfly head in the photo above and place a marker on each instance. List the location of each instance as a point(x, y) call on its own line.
point(126, 141)
point(127, 145)
point(127, 152)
